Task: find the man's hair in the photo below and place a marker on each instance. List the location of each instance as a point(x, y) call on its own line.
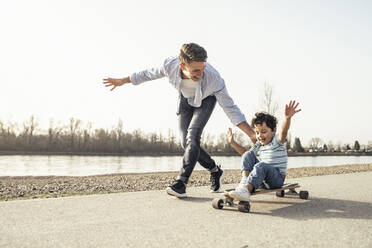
point(192, 53)
point(262, 117)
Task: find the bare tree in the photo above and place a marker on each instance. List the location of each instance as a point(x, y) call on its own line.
point(171, 139)
point(29, 128)
point(86, 136)
point(119, 134)
point(331, 146)
point(369, 146)
point(339, 146)
point(74, 131)
point(268, 102)
point(207, 140)
point(315, 143)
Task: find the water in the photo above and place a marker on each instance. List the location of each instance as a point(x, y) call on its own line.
point(34, 165)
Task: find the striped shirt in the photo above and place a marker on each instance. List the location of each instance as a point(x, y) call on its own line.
point(211, 83)
point(274, 153)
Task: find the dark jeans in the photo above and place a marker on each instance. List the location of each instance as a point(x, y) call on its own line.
point(191, 122)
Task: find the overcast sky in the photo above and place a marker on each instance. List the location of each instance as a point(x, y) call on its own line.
point(54, 55)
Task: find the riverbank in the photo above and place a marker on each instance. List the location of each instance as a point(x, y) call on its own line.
point(29, 187)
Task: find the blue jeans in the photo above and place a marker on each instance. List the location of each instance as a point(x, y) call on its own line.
point(191, 122)
point(261, 172)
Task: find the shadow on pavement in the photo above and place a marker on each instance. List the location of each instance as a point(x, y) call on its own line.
point(320, 208)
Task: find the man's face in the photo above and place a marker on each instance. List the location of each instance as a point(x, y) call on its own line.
point(194, 70)
point(264, 134)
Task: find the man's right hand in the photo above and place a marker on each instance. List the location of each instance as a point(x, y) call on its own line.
point(115, 82)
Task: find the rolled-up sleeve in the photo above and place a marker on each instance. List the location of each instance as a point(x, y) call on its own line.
point(226, 102)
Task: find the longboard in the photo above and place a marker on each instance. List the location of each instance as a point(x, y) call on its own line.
point(244, 206)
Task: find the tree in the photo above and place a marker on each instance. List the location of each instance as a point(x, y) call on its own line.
point(297, 147)
point(267, 101)
point(119, 134)
point(74, 131)
point(87, 134)
point(315, 143)
point(331, 146)
point(356, 146)
point(207, 140)
point(339, 146)
point(29, 128)
point(325, 148)
point(171, 140)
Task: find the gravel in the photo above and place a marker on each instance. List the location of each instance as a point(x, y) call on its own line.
point(28, 187)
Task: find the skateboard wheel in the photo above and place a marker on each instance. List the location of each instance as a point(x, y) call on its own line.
point(304, 194)
point(244, 207)
point(280, 193)
point(217, 203)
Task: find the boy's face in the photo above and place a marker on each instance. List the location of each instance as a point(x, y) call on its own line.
point(194, 70)
point(264, 134)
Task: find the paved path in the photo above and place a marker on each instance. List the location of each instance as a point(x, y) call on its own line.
point(337, 214)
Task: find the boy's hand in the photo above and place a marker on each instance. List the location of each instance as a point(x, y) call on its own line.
point(290, 109)
point(230, 136)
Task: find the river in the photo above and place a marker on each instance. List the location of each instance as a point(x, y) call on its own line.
point(61, 165)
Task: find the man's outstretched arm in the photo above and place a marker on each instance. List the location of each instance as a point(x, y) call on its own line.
point(115, 82)
point(244, 126)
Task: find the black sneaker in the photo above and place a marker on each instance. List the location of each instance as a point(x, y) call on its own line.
point(216, 178)
point(177, 189)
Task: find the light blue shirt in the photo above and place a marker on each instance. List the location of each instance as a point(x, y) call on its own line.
point(211, 83)
point(274, 153)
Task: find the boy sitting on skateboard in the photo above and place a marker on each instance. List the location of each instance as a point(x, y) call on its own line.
point(266, 161)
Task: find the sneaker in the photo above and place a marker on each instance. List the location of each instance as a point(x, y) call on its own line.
point(241, 193)
point(178, 189)
point(216, 178)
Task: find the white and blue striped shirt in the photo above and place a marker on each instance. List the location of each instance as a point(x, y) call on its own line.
point(274, 153)
point(211, 83)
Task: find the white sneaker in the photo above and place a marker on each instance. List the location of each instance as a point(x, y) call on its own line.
point(241, 193)
point(242, 184)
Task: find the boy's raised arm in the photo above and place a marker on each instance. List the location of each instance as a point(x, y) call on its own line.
point(290, 110)
point(238, 148)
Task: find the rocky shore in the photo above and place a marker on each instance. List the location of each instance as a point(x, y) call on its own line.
point(12, 188)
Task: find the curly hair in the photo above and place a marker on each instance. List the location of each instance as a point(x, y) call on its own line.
point(192, 53)
point(262, 117)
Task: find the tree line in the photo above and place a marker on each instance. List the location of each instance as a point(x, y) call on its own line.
point(79, 138)
point(75, 137)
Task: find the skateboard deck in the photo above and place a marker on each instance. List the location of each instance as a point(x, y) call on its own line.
point(244, 206)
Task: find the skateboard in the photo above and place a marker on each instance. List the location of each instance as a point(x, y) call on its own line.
point(244, 206)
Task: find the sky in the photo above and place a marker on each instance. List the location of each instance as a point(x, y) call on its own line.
point(55, 54)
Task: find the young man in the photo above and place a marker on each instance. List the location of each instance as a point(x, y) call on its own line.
point(266, 161)
point(199, 86)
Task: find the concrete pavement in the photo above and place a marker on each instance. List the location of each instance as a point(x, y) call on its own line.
point(337, 214)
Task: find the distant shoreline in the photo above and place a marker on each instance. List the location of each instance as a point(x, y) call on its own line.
point(157, 154)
